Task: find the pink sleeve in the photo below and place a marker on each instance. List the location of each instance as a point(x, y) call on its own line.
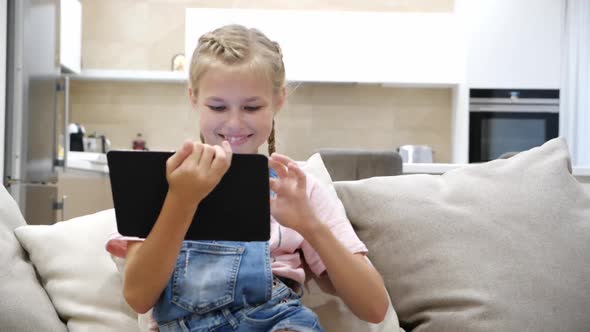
point(330, 211)
point(117, 244)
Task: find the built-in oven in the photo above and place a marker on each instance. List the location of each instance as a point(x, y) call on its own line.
point(505, 122)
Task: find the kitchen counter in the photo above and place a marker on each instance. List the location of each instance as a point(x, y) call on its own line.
point(88, 161)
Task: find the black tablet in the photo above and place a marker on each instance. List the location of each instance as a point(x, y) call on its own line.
point(238, 208)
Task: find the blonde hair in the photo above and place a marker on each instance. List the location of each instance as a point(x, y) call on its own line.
point(236, 45)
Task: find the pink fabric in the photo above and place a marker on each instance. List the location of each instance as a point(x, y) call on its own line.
point(285, 242)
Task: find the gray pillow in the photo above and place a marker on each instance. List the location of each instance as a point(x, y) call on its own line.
point(24, 304)
point(500, 246)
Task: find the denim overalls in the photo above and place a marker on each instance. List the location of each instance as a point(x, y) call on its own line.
point(229, 286)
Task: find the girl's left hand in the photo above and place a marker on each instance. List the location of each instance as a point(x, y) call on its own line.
point(290, 207)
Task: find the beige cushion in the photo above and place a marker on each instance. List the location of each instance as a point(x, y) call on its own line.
point(24, 305)
point(500, 246)
point(78, 273)
point(333, 313)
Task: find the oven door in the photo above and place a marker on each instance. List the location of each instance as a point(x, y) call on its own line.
point(492, 134)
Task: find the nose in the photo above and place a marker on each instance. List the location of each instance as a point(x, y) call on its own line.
point(234, 120)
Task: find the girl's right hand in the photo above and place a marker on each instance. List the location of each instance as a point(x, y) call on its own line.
point(194, 170)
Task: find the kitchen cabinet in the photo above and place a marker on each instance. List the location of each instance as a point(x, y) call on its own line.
point(70, 35)
point(512, 44)
point(394, 49)
point(82, 192)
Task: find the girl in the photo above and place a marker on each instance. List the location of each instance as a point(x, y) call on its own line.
point(237, 84)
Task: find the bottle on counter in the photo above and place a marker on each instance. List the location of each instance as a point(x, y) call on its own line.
point(139, 143)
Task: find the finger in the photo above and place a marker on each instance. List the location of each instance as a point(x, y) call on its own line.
point(282, 158)
point(221, 160)
point(273, 202)
point(227, 148)
point(275, 186)
point(206, 157)
point(279, 168)
point(195, 156)
point(179, 156)
point(298, 174)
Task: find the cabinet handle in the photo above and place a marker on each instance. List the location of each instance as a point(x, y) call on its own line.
point(66, 120)
point(61, 205)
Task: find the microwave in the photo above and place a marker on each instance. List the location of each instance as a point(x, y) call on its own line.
point(503, 122)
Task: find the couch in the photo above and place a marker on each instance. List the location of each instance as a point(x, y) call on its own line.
point(499, 246)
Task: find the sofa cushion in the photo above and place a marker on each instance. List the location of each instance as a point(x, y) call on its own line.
point(78, 273)
point(333, 313)
point(24, 304)
point(500, 246)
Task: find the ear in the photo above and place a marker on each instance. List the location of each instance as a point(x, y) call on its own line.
point(280, 101)
point(192, 96)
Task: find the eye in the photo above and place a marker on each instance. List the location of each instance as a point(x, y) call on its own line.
point(252, 108)
point(216, 108)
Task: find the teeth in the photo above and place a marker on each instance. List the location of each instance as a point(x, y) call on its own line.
point(233, 139)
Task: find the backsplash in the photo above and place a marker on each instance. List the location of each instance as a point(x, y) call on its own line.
point(315, 116)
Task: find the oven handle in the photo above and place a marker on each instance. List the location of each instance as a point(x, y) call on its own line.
point(515, 108)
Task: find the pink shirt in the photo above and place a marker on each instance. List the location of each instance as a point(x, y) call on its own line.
point(284, 242)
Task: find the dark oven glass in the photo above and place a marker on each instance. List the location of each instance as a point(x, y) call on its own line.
point(492, 134)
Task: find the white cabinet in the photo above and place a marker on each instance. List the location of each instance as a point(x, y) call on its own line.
point(512, 43)
point(70, 26)
point(405, 49)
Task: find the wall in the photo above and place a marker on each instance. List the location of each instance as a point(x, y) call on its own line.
point(316, 115)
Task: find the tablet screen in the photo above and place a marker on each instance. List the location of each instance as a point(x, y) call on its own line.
point(238, 208)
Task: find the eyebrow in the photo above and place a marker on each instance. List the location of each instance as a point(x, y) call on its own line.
point(256, 98)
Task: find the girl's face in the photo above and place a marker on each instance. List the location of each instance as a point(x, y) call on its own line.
point(236, 105)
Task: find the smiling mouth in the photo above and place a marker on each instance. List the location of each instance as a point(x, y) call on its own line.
point(236, 140)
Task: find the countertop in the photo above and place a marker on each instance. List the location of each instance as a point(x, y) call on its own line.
point(87, 161)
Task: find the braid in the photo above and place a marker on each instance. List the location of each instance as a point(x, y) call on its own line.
point(271, 139)
point(230, 51)
point(278, 49)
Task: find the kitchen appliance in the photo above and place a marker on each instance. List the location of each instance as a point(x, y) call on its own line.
point(76, 132)
point(503, 121)
point(33, 73)
point(416, 154)
point(96, 143)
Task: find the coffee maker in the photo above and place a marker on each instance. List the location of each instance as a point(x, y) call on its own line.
point(76, 132)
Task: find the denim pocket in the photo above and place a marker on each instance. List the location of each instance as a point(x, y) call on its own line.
point(205, 276)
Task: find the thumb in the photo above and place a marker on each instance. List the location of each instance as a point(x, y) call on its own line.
point(227, 148)
point(179, 156)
